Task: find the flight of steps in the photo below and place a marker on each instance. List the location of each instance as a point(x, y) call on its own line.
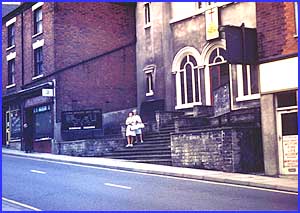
point(156, 148)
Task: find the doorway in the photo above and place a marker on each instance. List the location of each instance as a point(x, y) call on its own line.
point(7, 127)
point(287, 132)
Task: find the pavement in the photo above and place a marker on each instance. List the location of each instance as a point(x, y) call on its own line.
point(282, 183)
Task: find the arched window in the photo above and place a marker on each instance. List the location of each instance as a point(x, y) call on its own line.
point(218, 70)
point(188, 78)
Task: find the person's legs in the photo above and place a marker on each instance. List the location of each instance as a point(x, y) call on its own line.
point(128, 141)
point(141, 138)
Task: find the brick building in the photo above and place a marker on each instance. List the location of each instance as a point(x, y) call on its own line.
point(197, 69)
point(66, 68)
point(277, 27)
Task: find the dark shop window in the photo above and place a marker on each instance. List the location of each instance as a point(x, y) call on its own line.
point(43, 122)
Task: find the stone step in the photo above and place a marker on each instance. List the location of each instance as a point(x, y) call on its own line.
point(167, 162)
point(151, 140)
point(163, 135)
point(148, 146)
point(143, 157)
point(130, 152)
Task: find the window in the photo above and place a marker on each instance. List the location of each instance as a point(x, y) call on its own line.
point(38, 21)
point(15, 123)
point(188, 80)
point(38, 61)
point(287, 99)
point(296, 17)
point(11, 35)
point(11, 72)
point(247, 80)
point(149, 72)
point(147, 13)
point(42, 122)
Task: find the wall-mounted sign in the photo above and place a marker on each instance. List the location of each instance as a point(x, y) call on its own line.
point(290, 151)
point(212, 23)
point(82, 120)
point(83, 124)
point(47, 92)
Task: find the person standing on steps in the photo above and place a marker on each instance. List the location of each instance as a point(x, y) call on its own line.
point(138, 125)
point(130, 132)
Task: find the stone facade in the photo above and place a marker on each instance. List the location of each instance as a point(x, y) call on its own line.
point(89, 147)
point(223, 149)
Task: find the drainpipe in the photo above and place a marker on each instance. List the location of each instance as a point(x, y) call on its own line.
point(22, 44)
point(54, 119)
point(22, 71)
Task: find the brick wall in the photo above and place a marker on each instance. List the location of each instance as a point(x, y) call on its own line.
point(223, 149)
point(107, 83)
point(275, 28)
point(47, 35)
point(85, 30)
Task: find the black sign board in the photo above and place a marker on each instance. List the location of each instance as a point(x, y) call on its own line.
point(81, 124)
point(222, 100)
point(241, 44)
point(15, 124)
point(82, 120)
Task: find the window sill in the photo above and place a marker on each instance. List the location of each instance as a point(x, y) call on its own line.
point(190, 105)
point(11, 47)
point(42, 139)
point(10, 86)
point(296, 36)
point(150, 93)
point(147, 26)
point(37, 77)
point(35, 35)
point(248, 97)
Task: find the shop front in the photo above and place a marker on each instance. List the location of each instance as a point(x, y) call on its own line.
point(279, 108)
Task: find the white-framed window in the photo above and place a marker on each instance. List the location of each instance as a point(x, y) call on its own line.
point(149, 73)
point(188, 80)
point(247, 82)
point(296, 17)
point(11, 72)
point(38, 61)
point(38, 21)
point(147, 14)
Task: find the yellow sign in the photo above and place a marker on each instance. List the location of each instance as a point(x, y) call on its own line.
point(212, 23)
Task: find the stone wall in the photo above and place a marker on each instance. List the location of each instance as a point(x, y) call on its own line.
point(92, 147)
point(224, 149)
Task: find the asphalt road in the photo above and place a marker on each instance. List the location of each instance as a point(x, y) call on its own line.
point(54, 186)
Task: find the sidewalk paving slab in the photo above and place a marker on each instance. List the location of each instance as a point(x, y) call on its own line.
point(283, 184)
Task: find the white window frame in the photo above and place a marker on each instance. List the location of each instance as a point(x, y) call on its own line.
point(240, 84)
point(37, 6)
point(147, 15)
point(13, 84)
point(150, 70)
point(180, 104)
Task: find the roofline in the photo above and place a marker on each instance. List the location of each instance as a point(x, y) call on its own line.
point(17, 11)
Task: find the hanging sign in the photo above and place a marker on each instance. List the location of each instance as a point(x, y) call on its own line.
point(212, 23)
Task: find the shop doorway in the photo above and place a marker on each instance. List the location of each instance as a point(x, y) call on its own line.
point(287, 131)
